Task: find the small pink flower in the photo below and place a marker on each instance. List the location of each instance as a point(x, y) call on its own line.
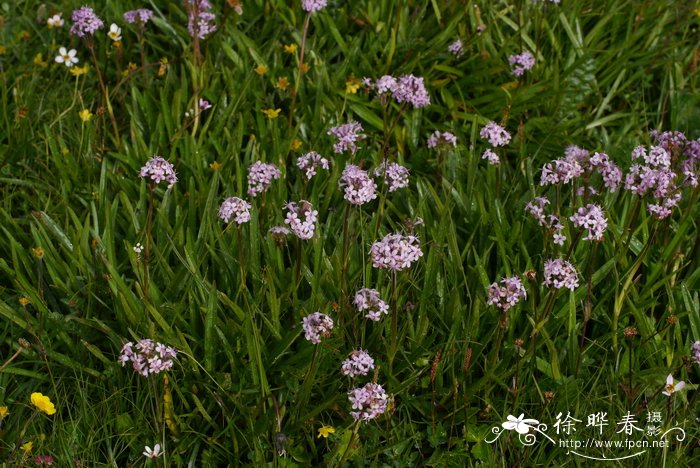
point(672, 388)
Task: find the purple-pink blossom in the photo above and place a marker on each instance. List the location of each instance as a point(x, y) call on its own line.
point(312, 6)
point(491, 157)
point(359, 362)
point(395, 175)
point(301, 218)
point(521, 63)
point(317, 326)
point(560, 274)
point(358, 187)
point(441, 138)
point(347, 136)
point(311, 161)
point(495, 134)
point(141, 15)
point(411, 89)
point(591, 218)
point(236, 208)
point(260, 176)
point(149, 357)
point(456, 48)
point(695, 351)
point(85, 21)
point(158, 170)
point(395, 252)
point(200, 19)
point(369, 401)
point(508, 294)
point(369, 301)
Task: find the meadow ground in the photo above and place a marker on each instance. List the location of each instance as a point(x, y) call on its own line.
point(349, 233)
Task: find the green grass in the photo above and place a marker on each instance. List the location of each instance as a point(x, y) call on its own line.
point(606, 74)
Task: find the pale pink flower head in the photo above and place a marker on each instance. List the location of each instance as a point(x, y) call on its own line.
point(508, 294)
point(695, 352)
point(491, 157)
point(260, 177)
point(358, 363)
point(236, 208)
point(395, 252)
point(310, 162)
point(411, 89)
point(301, 218)
point(154, 453)
point(369, 401)
point(312, 6)
point(368, 301)
point(592, 219)
point(141, 16)
point(149, 357)
point(357, 185)
point(671, 388)
point(456, 48)
point(347, 136)
point(441, 138)
point(395, 175)
point(158, 170)
point(200, 18)
point(521, 63)
point(560, 274)
point(85, 21)
point(316, 326)
point(495, 134)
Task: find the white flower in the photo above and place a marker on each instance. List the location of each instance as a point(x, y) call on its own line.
point(138, 248)
point(55, 21)
point(521, 425)
point(115, 33)
point(67, 57)
point(155, 453)
point(672, 388)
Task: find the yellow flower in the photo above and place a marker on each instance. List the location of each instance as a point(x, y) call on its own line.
point(352, 85)
point(163, 66)
point(261, 70)
point(282, 83)
point(38, 252)
point(65, 151)
point(3, 412)
point(215, 166)
point(2, 50)
point(304, 67)
point(325, 431)
point(290, 48)
point(271, 113)
point(27, 447)
point(85, 115)
point(77, 71)
point(39, 61)
point(23, 301)
point(296, 144)
point(43, 403)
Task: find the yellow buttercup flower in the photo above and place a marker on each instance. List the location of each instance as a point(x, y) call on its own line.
point(43, 403)
point(3, 49)
point(38, 252)
point(282, 83)
point(304, 67)
point(325, 431)
point(296, 144)
point(215, 166)
point(39, 61)
point(261, 70)
point(352, 85)
point(23, 301)
point(271, 113)
point(27, 447)
point(77, 71)
point(290, 48)
point(85, 115)
point(4, 412)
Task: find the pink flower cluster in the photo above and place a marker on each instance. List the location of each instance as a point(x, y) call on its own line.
point(200, 19)
point(521, 63)
point(560, 274)
point(237, 207)
point(158, 170)
point(456, 48)
point(141, 16)
point(358, 363)
point(395, 252)
point(369, 300)
point(497, 136)
point(370, 401)
point(550, 222)
point(395, 175)
point(406, 89)
point(672, 162)
point(149, 358)
point(695, 351)
point(509, 294)
point(438, 138)
point(578, 162)
point(357, 185)
point(260, 176)
point(311, 161)
point(347, 136)
point(312, 6)
point(301, 218)
point(85, 21)
point(591, 218)
point(317, 325)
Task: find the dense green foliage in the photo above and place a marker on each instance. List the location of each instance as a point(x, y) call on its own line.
point(231, 299)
